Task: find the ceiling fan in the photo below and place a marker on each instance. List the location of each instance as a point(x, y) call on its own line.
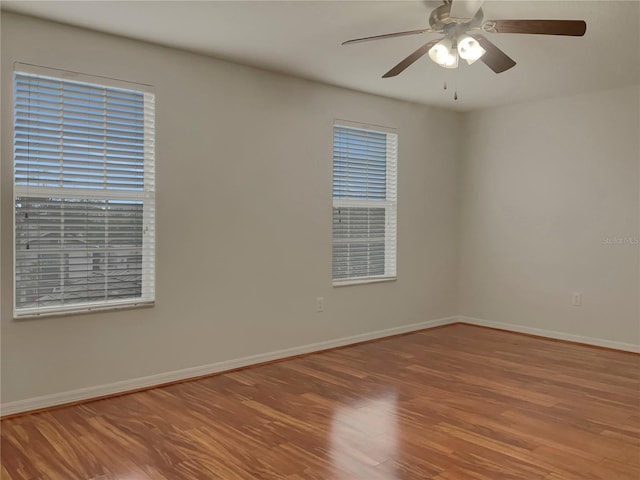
point(461, 21)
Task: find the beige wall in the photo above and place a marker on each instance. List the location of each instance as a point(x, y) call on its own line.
point(244, 218)
point(543, 186)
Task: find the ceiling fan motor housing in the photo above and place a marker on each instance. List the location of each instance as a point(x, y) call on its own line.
point(442, 21)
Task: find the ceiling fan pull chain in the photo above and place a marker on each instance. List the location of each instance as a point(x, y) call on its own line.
point(455, 95)
point(445, 85)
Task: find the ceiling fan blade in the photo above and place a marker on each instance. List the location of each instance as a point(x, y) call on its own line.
point(573, 28)
point(465, 9)
point(399, 68)
point(387, 35)
point(494, 58)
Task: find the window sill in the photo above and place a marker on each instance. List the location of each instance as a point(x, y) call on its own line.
point(361, 281)
point(80, 310)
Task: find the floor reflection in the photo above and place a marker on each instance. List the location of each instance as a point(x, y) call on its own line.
point(364, 437)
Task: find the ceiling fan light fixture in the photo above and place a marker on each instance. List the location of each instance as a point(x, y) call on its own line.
point(469, 49)
point(442, 51)
point(452, 59)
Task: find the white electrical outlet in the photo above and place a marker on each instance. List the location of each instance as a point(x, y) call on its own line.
point(320, 304)
point(576, 299)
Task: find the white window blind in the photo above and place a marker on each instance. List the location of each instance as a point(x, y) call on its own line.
point(364, 204)
point(84, 191)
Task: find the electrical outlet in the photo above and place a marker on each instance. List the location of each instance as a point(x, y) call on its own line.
point(320, 304)
point(576, 299)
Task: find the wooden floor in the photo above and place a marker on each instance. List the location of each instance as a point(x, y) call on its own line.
point(458, 402)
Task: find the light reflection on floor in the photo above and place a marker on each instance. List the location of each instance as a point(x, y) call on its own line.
point(364, 437)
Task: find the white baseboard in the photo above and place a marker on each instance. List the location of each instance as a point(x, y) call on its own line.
point(511, 327)
point(97, 391)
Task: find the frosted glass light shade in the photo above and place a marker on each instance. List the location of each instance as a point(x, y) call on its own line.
point(441, 51)
point(469, 49)
point(452, 59)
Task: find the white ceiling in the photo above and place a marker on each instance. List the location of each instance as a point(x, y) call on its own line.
point(303, 38)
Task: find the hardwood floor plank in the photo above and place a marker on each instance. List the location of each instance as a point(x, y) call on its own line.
point(452, 403)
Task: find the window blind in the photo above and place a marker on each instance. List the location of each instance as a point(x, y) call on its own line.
point(84, 191)
point(364, 204)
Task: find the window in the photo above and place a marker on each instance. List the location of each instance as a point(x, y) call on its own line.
point(84, 194)
point(364, 204)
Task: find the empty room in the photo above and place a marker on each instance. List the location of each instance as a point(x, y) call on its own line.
point(320, 240)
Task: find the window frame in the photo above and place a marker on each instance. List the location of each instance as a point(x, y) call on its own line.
point(146, 196)
point(390, 204)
